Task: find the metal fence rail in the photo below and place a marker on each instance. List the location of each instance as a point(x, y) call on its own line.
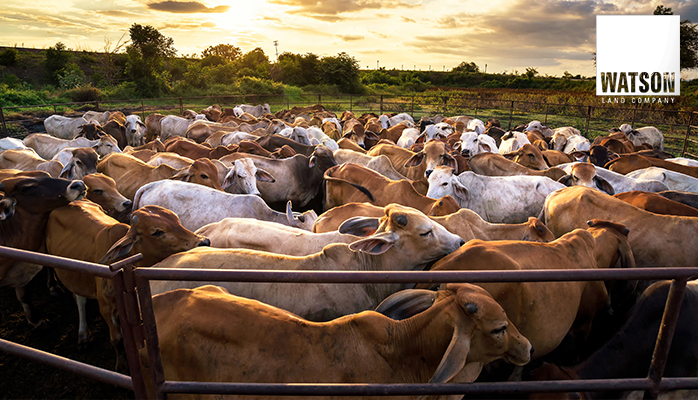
point(591, 120)
point(135, 307)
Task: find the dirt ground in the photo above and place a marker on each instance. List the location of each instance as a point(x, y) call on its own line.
point(25, 379)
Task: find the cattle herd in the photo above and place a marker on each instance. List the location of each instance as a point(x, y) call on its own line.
point(306, 189)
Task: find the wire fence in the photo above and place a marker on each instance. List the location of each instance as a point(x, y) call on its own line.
point(678, 126)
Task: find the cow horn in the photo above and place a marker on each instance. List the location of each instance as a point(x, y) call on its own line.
point(406, 303)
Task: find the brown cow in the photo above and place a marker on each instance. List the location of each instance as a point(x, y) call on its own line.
point(131, 173)
point(629, 163)
point(152, 126)
point(350, 182)
point(34, 198)
point(154, 232)
point(552, 308)
point(101, 189)
point(656, 203)
point(275, 142)
point(187, 148)
point(492, 164)
point(27, 160)
point(584, 174)
point(529, 156)
point(416, 166)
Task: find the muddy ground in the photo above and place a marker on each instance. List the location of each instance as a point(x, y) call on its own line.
point(24, 379)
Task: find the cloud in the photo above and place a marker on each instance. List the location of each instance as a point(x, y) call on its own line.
point(349, 38)
point(117, 13)
point(405, 19)
point(186, 7)
point(320, 10)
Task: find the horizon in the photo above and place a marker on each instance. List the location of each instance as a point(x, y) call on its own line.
point(500, 37)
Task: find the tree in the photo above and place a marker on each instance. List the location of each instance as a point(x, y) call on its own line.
point(57, 57)
point(531, 72)
point(341, 70)
point(145, 66)
point(222, 53)
point(150, 43)
point(296, 69)
point(689, 39)
point(254, 63)
point(466, 67)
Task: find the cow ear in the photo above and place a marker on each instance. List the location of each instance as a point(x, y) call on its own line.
point(359, 226)
point(460, 190)
point(264, 176)
point(566, 180)
point(415, 160)
point(457, 145)
point(453, 360)
point(510, 155)
point(406, 303)
point(68, 172)
point(181, 175)
point(450, 161)
point(421, 138)
point(229, 178)
point(580, 155)
point(604, 186)
point(120, 249)
point(312, 161)
point(375, 244)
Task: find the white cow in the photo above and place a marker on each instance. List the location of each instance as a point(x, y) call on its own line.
point(47, 146)
point(622, 183)
point(472, 143)
point(297, 134)
point(173, 125)
point(674, 180)
point(547, 132)
point(476, 125)
point(198, 205)
point(135, 130)
point(512, 141)
point(243, 176)
point(408, 138)
point(498, 199)
point(236, 137)
point(98, 117)
point(380, 164)
point(317, 136)
point(63, 127)
point(257, 111)
point(402, 117)
point(561, 135)
point(438, 131)
point(683, 161)
point(647, 134)
point(9, 143)
point(576, 143)
point(248, 233)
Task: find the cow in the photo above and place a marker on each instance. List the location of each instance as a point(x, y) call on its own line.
point(28, 160)
point(152, 126)
point(657, 240)
point(154, 232)
point(318, 137)
point(544, 130)
point(561, 136)
point(447, 337)
point(491, 164)
point(584, 174)
point(472, 143)
point(416, 165)
point(597, 155)
point(77, 162)
point(47, 146)
point(403, 239)
point(298, 178)
point(135, 130)
point(96, 116)
point(440, 131)
point(630, 163)
point(629, 353)
point(101, 189)
point(91, 131)
point(671, 179)
point(687, 198)
point(647, 134)
point(63, 127)
point(350, 182)
point(257, 111)
point(212, 112)
point(529, 156)
point(243, 176)
point(551, 309)
point(554, 158)
point(683, 161)
point(131, 173)
point(512, 141)
point(34, 198)
point(8, 143)
point(274, 142)
point(656, 203)
point(190, 149)
point(196, 205)
point(497, 199)
point(380, 164)
point(621, 183)
point(117, 130)
point(172, 125)
point(249, 233)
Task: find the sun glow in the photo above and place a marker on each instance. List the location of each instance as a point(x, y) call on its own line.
point(242, 14)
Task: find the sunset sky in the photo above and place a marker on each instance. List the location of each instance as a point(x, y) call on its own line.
point(553, 36)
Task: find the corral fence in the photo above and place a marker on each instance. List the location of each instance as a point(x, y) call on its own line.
point(137, 319)
point(592, 120)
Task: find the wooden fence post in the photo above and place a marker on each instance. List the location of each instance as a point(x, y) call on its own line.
point(181, 107)
point(4, 127)
point(350, 103)
point(511, 112)
point(412, 113)
point(688, 133)
point(589, 110)
point(381, 107)
point(546, 114)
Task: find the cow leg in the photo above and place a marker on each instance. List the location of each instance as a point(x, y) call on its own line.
point(83, 336)
point(107, 307)
point(24, 299)
point(54, 288)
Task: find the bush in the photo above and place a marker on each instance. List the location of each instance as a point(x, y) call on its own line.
point(123, 91)
point(251, 85)
point(8, 57)
point(84, 93)
point(71, 76)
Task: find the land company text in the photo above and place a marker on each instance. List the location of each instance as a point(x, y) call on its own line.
point(637, 100)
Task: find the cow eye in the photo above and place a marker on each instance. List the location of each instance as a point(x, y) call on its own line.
point(499, 330)
point(425, 234)
point(204, 176)
point(77, 162)
point(98, 191)
point(158, 233)
point(444, 184)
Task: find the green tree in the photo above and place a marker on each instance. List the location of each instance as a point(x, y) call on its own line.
point(296, 69)
point(466, 67)
point(145, 65)
point(254, 63)
point(220, 54)
point(531, 72)
point(689, 39)
point(341, 70)
point(9, 57)
point(57, 57)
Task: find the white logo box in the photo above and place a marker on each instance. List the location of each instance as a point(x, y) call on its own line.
point(637, 55)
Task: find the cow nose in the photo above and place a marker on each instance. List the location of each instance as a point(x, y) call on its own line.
point(532, 351)
point(78, 185)
point(205, 242)
point(128, 204)
point(362, 145)
point(462, 242)
point(428, 172)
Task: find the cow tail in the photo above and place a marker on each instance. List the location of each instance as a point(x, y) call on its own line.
point(357, 186)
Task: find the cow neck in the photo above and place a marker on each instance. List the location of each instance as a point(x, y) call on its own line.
point(420, 342)
point(24, 230)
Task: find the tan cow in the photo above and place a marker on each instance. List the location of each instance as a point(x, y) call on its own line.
point(101, 189)
point(491, 164)
point(28, 160)
point(449, 336)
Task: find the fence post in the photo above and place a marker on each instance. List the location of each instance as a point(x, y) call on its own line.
point(685, 140)
point(412, 113)
point(477, 105)
point(381, 106)
point(586, 132)
point(546, 114)
point(632, 123)
point(54, 109)
point(142, 110)
point(96, 105)
point(351, 97)
point(511, 112)
point(181, 107)
point(319, 99)
point(4, 127)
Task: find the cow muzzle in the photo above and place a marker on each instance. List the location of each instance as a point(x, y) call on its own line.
point(205, 242)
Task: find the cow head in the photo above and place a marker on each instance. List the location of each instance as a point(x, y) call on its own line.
point(243, 176)
point(202, 171)
point(436, 153)
point(323, 158)
point(7, 208)
point(537, 231)
point(481, 330)
point(83, 162)
point(584, 174)
point(444, 182)
point(156, 233)
point(443, 206)
point(135, 129)
point(91, 131)
point(41, 194)
point(107, 144)
point(101, 189)
point(529, 156)
point(303, 221)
